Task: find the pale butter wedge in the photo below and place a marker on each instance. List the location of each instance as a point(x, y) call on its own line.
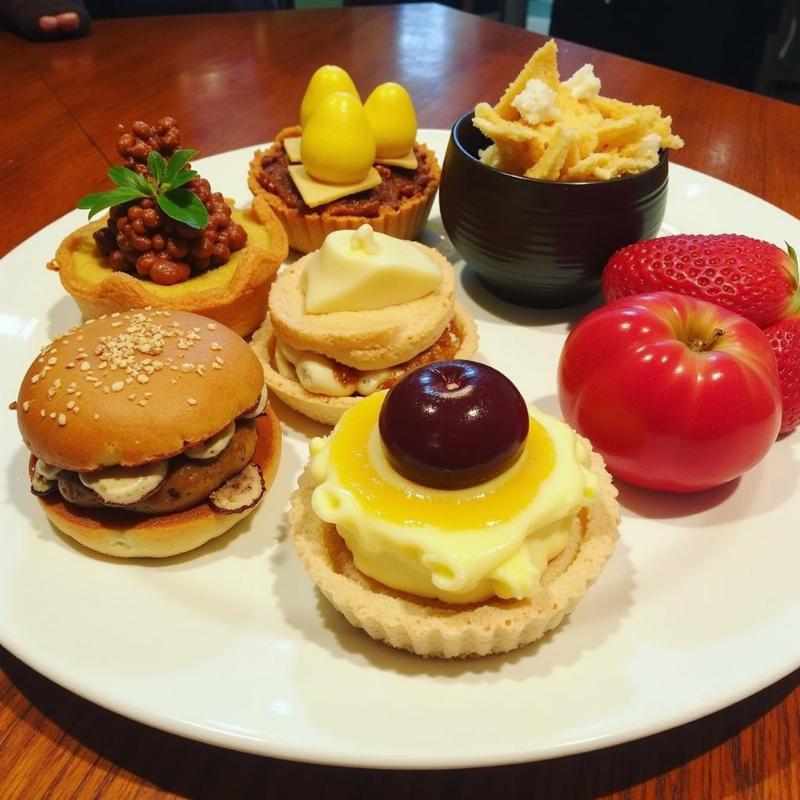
point(364, 270)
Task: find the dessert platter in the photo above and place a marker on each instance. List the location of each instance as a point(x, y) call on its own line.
point(257, 615)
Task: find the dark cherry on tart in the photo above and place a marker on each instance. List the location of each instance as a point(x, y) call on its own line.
point(183, 229)
point(453, 424)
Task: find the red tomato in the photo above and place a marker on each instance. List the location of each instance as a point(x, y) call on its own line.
point(675, 393)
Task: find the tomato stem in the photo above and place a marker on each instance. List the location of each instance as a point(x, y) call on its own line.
point(703, 346)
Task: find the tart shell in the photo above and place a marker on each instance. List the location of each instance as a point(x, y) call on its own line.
point(431, 628)
point(306, 232)
point(241, 304)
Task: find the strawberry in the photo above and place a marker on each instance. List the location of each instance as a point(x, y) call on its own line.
point(753, 278)
point(784, 336)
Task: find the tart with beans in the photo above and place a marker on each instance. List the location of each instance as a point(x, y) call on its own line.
point(169, 240)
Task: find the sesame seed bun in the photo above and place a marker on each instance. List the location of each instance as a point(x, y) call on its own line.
point(135, 387)
point(127, 535)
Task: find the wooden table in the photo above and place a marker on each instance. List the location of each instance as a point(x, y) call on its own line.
point(57, 135)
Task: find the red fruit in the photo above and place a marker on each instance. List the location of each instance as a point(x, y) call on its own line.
point(753, 278)
point(784, 336)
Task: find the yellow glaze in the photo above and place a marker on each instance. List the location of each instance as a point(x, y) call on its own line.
point(460, 546)
point(338, 145)
point(90, 268)
point(362, 270)
point(391, 116)
point(326, 80)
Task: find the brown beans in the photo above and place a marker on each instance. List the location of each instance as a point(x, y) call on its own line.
point(167, 273)
point(141, 239)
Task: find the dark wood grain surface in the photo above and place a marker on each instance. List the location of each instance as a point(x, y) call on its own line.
point(233, 81)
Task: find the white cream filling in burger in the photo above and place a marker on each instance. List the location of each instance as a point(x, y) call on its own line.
point(212, 447)
point(125, 485)
point(121, 486)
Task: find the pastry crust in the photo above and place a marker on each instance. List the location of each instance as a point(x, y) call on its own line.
point(364, 340)
point(127, 535)
point(306, 232)
point(435, 629)
point(325, 409)
point(241, 304)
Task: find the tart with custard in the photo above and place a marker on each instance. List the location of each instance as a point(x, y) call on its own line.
point(347, 164)
point(169, 241)
point(355, 316)
point(447, 518)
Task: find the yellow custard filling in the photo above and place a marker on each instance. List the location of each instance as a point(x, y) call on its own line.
point(92, 268)
point(459, 546)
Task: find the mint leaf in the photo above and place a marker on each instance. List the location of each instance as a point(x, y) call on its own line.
point(183, 177)
point(176, 163)
point(100, 200)
point(156, 165)
point(123, 176)
point(184, 206)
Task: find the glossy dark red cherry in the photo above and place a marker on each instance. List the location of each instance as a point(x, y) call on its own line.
point(453, 424)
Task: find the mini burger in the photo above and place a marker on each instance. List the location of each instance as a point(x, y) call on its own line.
point(149, 432)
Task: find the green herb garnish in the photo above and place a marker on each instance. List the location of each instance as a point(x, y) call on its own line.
point(165, 187)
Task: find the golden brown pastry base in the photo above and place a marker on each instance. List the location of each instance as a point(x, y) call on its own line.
point(241, 304)
point(116, 532)
point(325, 409)
point(306, 232)
point(366, 339)
point(435, 629)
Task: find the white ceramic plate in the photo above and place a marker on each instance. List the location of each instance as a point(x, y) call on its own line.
point(232, 645)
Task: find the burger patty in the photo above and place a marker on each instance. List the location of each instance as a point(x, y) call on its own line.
point(188, 482)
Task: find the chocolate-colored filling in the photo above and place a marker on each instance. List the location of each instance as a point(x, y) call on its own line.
point(396, 185)
point(188, 482)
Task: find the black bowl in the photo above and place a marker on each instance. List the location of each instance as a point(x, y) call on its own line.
point(542, 243)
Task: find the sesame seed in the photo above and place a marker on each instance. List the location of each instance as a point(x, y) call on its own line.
point(52, 360)
point(71, 404)
point(132, 396)
point(191, 401)
point(96, 417)
point(116, 324)
point(85, 366)
point(142, 378)
point(62, 419)
point(216, 346)
point(41, 412)
point(35, 379)
point(52, 415)
point(76, 409)
point(26, 405)
point(117, 386)
point(70, 364)
point(143, 402)
point(212, 326)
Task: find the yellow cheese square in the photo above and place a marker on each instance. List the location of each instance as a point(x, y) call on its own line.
point(292, 148)
point(408, 161)
point(316, 194)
